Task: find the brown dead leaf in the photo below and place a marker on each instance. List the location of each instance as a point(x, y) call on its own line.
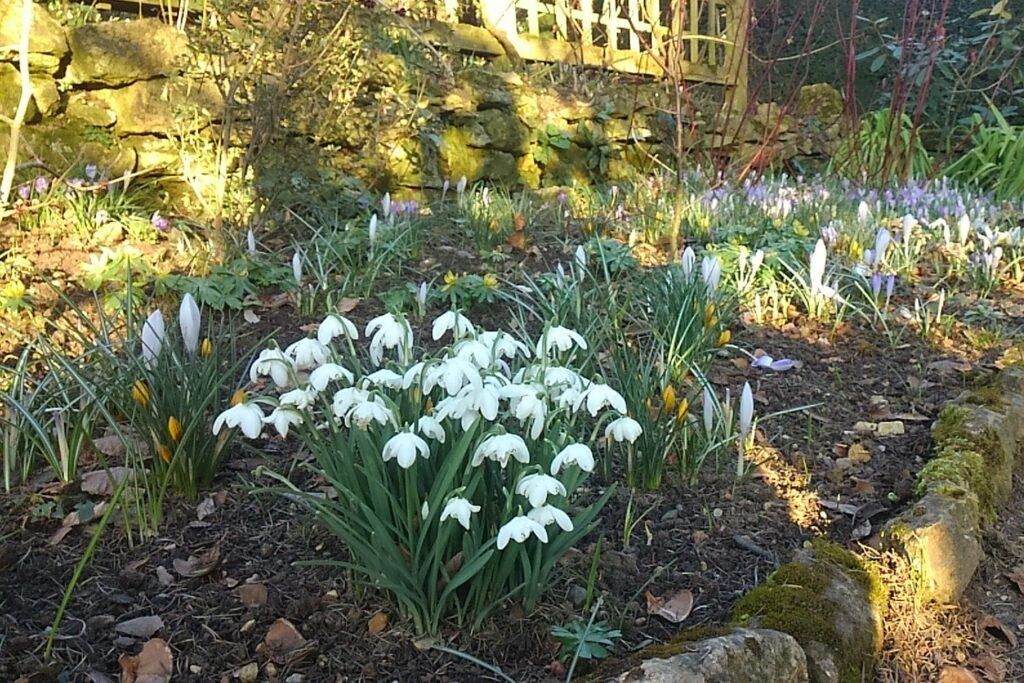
point(957, 674)
point(100, 483)
point(110, 445)
point(153, 665)
point(949, 367)
point(206, 507)
point(1017, 576)
point(283, 644)
point(741, 362)
point(347, 304)
point(140, 627)
point(699, 536)
point(250, 316)
point(252, 594)
point(859, 454)
point(675, 609)
point(863, 487)
point(377, 623)
point(991, 667)
point(220, 498)
point(83, 514)
point(198, 565)
point(136, 565)
point(994, 626)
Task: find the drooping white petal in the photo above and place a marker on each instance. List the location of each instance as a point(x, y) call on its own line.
point(545, 515)
point(459, 509)
point(519, 529)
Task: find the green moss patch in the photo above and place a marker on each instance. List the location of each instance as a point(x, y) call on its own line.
point(965, 462)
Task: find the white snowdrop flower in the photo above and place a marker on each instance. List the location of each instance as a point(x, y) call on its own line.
point(272, 363)
point(405, 447)
point(459, 324)
point(189, 320)
point(389, 332)
point(578, 454)
point(568, 399)
point(689, 261)
point(537, 487)
point(555, 377)
point(307, 354)
point(519, 529)
point(470, 403)
point(283, 417)
point(246, 416)
point(528, 403)
point(389, 379)
point(581, 257)
point(153, 331)
point(455, 373)
point(561, 339)
point(503, 345)
point(345, 399)
point(623, 429)
point(335, 325)
point(429, 427)
point(416, 375)
point(474, 351)
point(598, 396)
point(299, 399)
point(546, 515)
point(500, 448)
point(459, 509)
point(365, 412)
point(328, 372)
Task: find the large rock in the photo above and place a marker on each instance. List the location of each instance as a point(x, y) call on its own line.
point(86, 107)
point(506, 132)
point(62, 143)
point(460, 158)
point(745, 656)
point(831, 603)
point(162, 106)
point(47, 43)
point(121, 52)
point(10, 94)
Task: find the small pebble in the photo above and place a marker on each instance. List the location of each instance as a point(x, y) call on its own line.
point(248, 673)
point(717, 513)
point(577, 595)
point(195, 668)
point(266, 550)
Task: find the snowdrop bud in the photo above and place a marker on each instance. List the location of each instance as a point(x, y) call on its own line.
point(373, 226)
point(746, 410)
point(250, 242)
point(445, 185)
point(421, 294)
point(297, 268)
point(189, 319)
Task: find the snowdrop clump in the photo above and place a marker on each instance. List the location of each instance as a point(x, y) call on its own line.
point(457, 468)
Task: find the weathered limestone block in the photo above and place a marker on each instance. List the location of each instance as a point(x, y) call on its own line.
point(155, 153)
point(821, 101)
point(831, 603)
point(86, 107)
point(44, 92)
point(47, 43)
point(506, 132)
point(459, 158)
point(10, 94)
point(744, 656)
point(486, 89)
point(61, 142)
point(121, 52)
point(162, 106)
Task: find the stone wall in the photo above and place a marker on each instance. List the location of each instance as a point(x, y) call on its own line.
point(116, 94)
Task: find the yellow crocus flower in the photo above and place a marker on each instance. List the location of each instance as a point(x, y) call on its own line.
point(174, 428)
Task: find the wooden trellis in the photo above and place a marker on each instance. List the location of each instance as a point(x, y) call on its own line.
point(633, 36)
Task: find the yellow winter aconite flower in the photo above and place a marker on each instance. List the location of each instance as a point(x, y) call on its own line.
point(491, 281)
point(165, 453)
point(237, 397)
point(174, 428)
point(724, 338)
point(684, 407)
point(450, 280)
point(140, 392)
point(668, 398)
point(206, 348)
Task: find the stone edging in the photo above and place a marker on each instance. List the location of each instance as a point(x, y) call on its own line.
point(818, 618)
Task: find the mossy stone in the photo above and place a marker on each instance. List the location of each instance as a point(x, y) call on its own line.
point(10, 94)
point(459, 158)
point(117, 53)
point(47, 43)
point(505, 131)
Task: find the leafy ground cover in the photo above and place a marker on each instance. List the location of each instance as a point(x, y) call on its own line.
point(850, 315)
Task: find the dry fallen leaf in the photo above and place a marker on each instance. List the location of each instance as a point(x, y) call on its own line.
point(957, 674)
point(163, 576)
point(152, 665)
point(83, 514)
point(140, 627)
point(199, 565)
point(250, 316)
point(675, 609)
point(863, 487)
point(100, 483)
point(1017, 576)
point(377, 623)
point(347, 304)
point(283, 644)
point(252, 594)
point(993, 625)
point(205, 508)
point(859, 454)
point(991, 667)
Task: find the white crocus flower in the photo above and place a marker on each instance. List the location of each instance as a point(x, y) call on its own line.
point(282, 418)
point(689, 261)
point(373, 227)
point(250, 242)
point(561, 339)
point(882, 240)
point(597, 396)
point(152, 337)
point(307, 354)
point(460, 186)
point(623, 429)
point(246, 416)
point(963, 228)
point(297, 398)
point(459, 509)
point(389, 379)
point(908, 225)
point(327, 373)
point(863, 213)
point(546, 515)
point(273, 363)
point(581, 257)
point(389, 332)
point(746, 410)
point(404, 447)
point(345, 399)
point(335, 325)
point(297, 268)
point(189, 319)
point(451, 320)
point(816, 271)
point(578, 454)
point(518, 529)
point(709, 410)
point(756, 259)
point(366, 412)
point(500, 448)
point(429, 426)
point(537, 487)
point(385, 205)
point(711, 272)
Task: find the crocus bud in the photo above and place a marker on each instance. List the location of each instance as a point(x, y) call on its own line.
point(250, 242)
point(385, 205)
point(460, 187)
point(189, 319)
point(152, 337)
point(746, 410)
point(297, 268)
point(373, 226)
point(689, 260)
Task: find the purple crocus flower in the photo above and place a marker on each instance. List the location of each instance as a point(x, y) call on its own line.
point(160, 222)
point(41, 184)
point(876, 283)
point(92, 171)
point(890, 283)
point(766, 362)
point(101, 217)
point(24, 191)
